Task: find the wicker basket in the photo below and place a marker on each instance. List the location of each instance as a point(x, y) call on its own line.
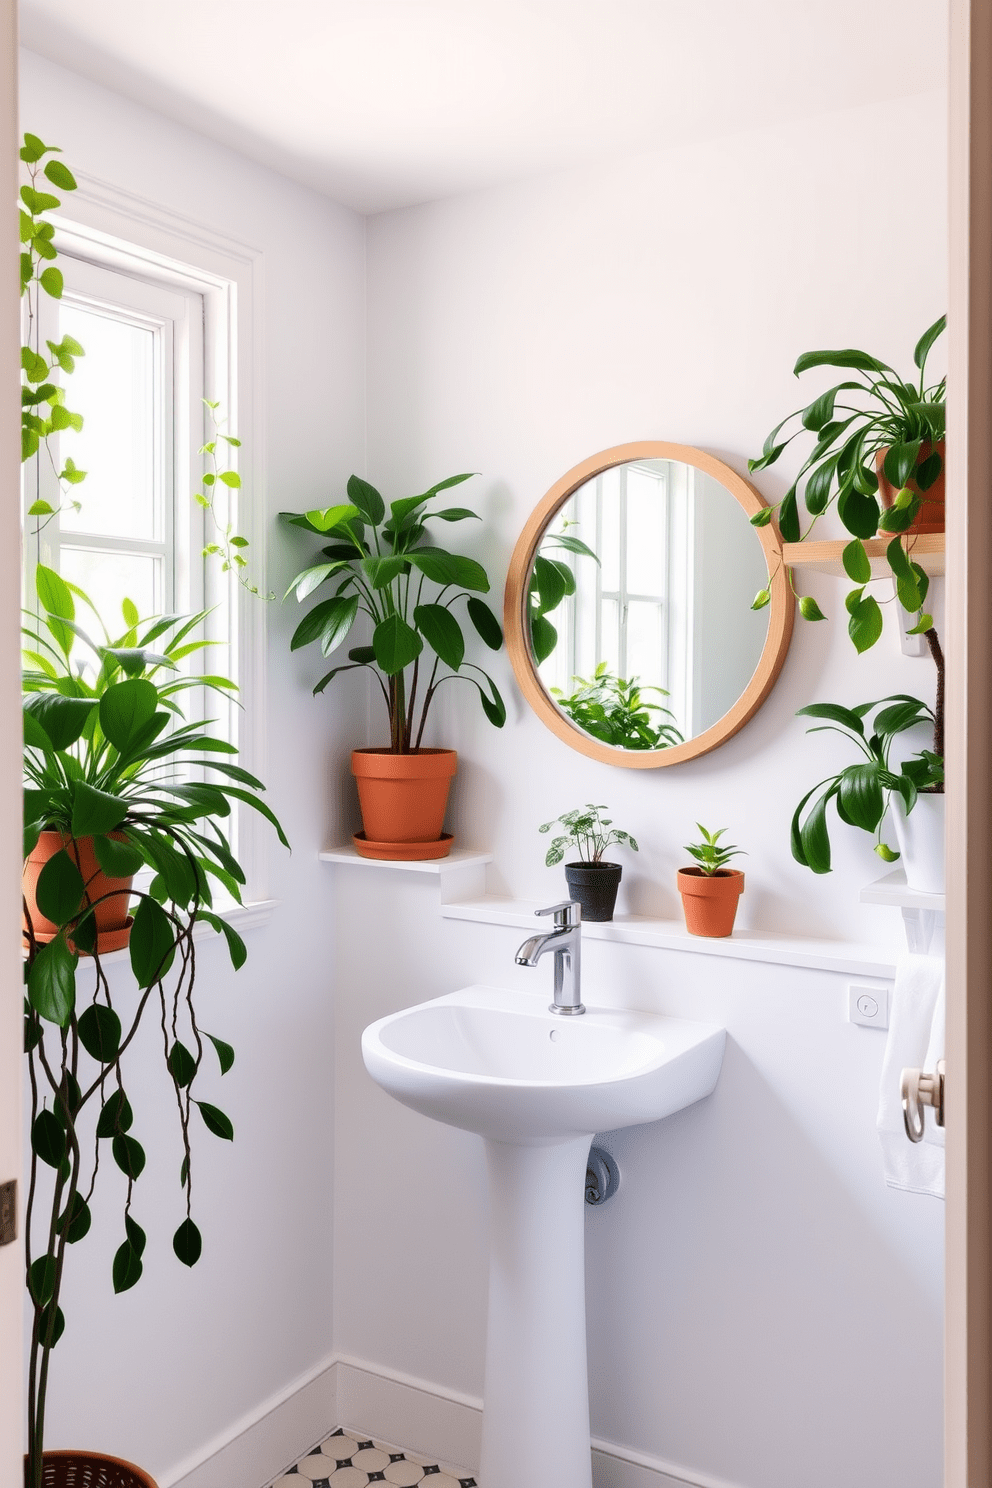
point(90, 1470)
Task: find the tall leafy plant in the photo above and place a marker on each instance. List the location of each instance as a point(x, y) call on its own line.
point(383, 565)
point(109, 754)
point(850, 425)
point(618, 711)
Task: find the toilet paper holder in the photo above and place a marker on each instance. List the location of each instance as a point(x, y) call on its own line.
point(919, 1089)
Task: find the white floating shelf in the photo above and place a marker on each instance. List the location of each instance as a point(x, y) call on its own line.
point(458, 857)
point(892, 890)
point(671, 935)
point(926, 549)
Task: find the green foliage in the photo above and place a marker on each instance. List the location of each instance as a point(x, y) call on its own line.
point(220, 479)
point(709, 854)
point(861, 791)
point(552, 581)
point(890, 413)
point(587, 832)
point(377, 563)
point(109, 753)
point(616, 711)
point(43, 409)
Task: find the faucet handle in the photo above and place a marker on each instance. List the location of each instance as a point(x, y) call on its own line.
point(567, 914)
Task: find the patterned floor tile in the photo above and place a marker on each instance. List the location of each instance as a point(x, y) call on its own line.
point(348, 1459)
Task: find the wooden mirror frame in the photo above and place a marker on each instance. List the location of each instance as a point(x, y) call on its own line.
point(516, 609)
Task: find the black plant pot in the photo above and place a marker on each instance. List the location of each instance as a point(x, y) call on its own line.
point(594, 886)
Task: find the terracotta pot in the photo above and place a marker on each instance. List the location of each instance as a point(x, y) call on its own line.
point(113, 928)
point(89, 1470)
point(403, 799)
point(709, 900)
point(594, 886)
point(930, 517)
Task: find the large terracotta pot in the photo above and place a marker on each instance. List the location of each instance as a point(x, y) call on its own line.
point(709, 900)
point(113, 928)
point(930, 517)
point(89, 1470)
point(403, 799)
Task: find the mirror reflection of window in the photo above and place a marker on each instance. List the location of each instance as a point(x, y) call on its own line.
point(668, 602)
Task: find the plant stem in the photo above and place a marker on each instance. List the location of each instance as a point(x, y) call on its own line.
point(936, 652)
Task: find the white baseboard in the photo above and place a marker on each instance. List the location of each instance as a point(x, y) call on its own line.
point(426, 1418)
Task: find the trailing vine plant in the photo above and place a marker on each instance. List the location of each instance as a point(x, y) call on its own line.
point(226, 544)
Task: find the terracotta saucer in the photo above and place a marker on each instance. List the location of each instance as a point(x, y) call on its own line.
point(403, 852)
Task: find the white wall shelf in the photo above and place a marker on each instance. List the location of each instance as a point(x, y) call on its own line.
point(671, 935)
point(892, 890)
point(461, 875)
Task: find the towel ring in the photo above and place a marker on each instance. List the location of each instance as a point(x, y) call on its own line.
point(919, 1089)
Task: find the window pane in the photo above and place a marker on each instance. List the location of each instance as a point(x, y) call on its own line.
point(644, 649)
point(610, 554)
point(109, 578)
point(113, 387)
point(645, 532)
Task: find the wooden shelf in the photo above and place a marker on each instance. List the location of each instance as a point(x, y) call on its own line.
point(826, 557)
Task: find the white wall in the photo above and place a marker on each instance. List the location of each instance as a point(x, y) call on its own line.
point(755, 1290)
point(156, 1374)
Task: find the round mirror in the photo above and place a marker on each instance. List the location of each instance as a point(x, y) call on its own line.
point(628, 605)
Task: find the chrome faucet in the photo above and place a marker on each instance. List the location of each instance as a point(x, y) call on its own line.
point(566, 942)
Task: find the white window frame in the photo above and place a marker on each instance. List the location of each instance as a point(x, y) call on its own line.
point(113, 228)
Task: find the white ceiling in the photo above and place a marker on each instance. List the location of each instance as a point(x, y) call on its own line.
point(385, 103)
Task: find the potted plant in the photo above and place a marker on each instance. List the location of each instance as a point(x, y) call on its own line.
point(551, 582)
point(616, 710)
point(385, 567)
point(710, 891)
point(116, 780)
point(880, 461)
point(591, 882)
point(864, 790)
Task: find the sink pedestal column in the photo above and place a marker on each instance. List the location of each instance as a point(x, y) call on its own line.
point(535, 1421)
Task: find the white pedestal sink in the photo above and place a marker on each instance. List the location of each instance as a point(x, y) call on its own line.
point(537, 1088)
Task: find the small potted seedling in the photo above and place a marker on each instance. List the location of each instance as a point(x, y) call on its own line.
point(591, 882)
point(710, 890)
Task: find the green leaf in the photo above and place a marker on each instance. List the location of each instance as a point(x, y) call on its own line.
point(900, 462)
point(129, 1155)
point(48, 1139)
point(325, 520)
point(396, 644)
point(331, 618)
point(922, 625)
point(115, 1116)
point(382, 571)
point(549, 582)
point(858, 511)
point(493, 707)
point(126, 708)
point(485, 622)
point(60, 889)
point(455, 514)
point(442, 633)
point(928, 470)
point(182, 1065)
point(215, 1121)
point(865, 624)
point(63, 719)
point(32, 149)
point(117, 859)
point(152, 946)
point(788, 517)
point(857, 564)
point(926, 341)
point(237, 949)
point(860, 798)
point(187, 1243)
point(135, 1234)
point(77, 1222)
point(809, 609)
point(52, 982)
point(52, 282)
point(856, 361)
point(815, 838)
point(225, 1054)
point(817, 494)
point(885, 853)
point(763, 517)
point(95, 812)
point(100, 1032)
point(312, 578)
point(231, 478)
point(450, 568)
point(60, 175)
point(41, 1279)
point(127, 1268)
point(846, 717)
point(56, 1325)
point(543, 637)
point(761, 599)
point(367, 499)
point(576, 545)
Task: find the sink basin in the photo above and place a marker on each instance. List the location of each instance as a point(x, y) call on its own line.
point(537, 1087)
point(497, 1062)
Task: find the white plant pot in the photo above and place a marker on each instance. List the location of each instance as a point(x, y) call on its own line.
point(920, 836)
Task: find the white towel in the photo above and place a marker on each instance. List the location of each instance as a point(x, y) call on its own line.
point(916, 1040)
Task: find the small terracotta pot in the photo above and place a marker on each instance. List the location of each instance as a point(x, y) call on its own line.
point(113, 928)
point(594, 886)
point(930, 517)
point(89, 1470)
point(403, 797)
point(709, 900)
